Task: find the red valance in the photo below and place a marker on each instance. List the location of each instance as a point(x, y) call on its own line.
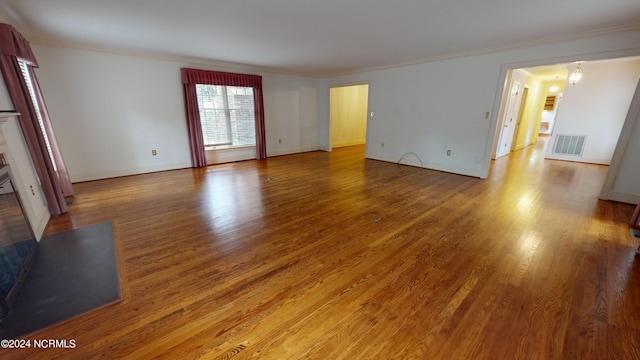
point(197, 76)
point(12, 43)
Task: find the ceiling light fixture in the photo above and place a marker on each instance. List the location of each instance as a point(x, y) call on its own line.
point(575, 75)
point(554, 88)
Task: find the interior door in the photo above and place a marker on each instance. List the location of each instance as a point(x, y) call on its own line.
point(510, 118)
point(516, 131)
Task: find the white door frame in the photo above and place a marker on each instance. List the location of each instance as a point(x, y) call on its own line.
point(332, 86)
point(614, 167)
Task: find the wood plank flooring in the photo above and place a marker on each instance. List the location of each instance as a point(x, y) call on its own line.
point(330, 256)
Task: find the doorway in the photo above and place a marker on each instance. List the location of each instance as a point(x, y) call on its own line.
point(348, 115)
point(605, 92)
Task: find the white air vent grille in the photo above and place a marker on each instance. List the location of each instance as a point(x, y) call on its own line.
point(569, 144)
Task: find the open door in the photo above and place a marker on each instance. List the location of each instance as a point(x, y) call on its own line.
point(510, 112)
point(517, 135)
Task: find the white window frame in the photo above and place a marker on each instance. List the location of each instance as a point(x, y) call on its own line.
point(228, 121)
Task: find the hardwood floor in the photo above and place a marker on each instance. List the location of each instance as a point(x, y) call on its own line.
point(330, 256)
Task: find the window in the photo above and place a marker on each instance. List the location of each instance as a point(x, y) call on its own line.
point(238, 88)
point(226, 115)
point(36, 106)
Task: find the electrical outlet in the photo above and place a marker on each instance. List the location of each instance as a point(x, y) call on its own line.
point(279, 141)
point(448, 152)
point(154, 153)
point(382, 145)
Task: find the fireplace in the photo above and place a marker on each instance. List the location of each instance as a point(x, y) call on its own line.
point(17, 241)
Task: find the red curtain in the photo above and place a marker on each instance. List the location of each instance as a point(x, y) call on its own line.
point(63, 174)
point(635, 219)
point(191, 77)
point(261, 137)
point(196, 76)
point(12, 47)
point(12, 43)
point(194, 129)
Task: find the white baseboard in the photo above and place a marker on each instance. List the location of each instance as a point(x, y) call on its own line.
point(412, 161)
point(625, 198)
point(127, 172)
point(291, 151)
point(349, 143)
point(581, 159)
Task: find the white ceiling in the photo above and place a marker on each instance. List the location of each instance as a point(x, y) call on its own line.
point(313, 38)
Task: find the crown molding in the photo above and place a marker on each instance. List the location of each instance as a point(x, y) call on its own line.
point(163, 57)
point(513, 46)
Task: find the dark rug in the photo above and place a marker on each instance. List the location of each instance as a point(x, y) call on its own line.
point(73, 272)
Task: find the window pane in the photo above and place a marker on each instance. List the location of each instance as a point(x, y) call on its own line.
point(243, 127)
point(212, 115)
point(214, 127)
point(241, 111)
point(227, 115)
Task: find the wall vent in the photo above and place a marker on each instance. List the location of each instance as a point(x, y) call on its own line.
point(569, 144)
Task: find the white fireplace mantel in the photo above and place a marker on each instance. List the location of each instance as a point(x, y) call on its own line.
point(24, 176)
point(4, 116)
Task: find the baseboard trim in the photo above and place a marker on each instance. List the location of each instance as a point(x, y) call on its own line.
point(412, 161)
point(588, 160)
point(292, 151)
point(349, 143)
point(75, 178)
point(624, 198)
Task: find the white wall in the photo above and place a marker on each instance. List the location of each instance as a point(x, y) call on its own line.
point(596, 107)
point(291, 114)
point(110, 110)
point(430, 107)
point(426, 110)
